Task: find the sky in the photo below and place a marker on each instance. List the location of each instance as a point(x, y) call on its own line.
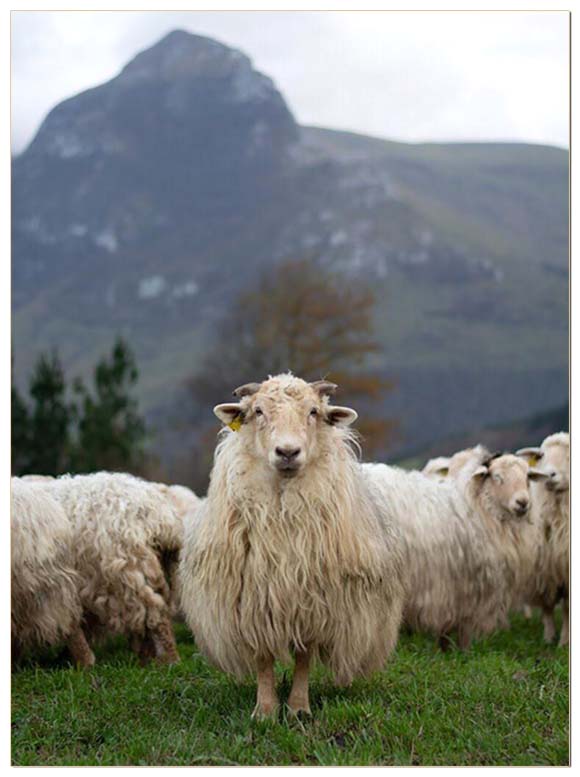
point(408, 76)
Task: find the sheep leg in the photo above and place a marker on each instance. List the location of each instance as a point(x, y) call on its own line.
point(463, 637)
point(16, 652)
point(80, 649)
point(549, 625)
point(143, 647)
point(565, 634)
point(164, 642)
point(267, 701)
point(527, 611)
point(298, 701)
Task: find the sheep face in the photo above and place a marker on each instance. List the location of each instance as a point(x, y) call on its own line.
point(285, 423)
point(504, 484)
point(555, 462)
point(552, 459)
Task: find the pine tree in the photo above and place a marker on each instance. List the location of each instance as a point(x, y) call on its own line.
point(50, 418)
point(111, 433)
point(20, 427)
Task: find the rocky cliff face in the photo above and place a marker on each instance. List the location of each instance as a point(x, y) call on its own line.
point(144, 205)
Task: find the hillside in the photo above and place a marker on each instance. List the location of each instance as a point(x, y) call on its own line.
point(145, 205)
point(521, 433)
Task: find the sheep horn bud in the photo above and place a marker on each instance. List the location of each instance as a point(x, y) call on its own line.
point(246, 390)
point(324, 388)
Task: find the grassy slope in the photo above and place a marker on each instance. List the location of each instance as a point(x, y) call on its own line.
point(472, 193)
point(505, 702)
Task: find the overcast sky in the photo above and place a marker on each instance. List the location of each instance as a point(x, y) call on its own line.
point(411, 76)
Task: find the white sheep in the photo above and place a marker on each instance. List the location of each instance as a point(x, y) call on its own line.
point(123, 529)
point(46, 608)
point(502, 491)
point(289, 554)
point(551, 510)
point(467, 545)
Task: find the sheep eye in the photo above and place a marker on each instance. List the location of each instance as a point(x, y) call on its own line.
point(258, 411)
point(498, 478)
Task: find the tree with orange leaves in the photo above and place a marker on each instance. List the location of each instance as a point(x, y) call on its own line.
point(304, 318)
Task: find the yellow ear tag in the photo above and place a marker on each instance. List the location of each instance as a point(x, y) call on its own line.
point(532, 460)
point(236, 424)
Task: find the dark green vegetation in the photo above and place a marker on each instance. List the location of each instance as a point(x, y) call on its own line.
point(149, 204)
point(504, 702)
point(62, 428)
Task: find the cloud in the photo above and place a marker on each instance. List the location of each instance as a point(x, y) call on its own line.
point(412, 76)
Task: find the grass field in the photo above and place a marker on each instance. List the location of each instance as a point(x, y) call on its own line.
point(504, 702)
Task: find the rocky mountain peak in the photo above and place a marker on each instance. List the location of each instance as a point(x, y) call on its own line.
point(183, 85)
point(182, 55)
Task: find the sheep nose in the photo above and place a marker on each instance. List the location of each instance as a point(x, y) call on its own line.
point(287, 453)
point(522, 503)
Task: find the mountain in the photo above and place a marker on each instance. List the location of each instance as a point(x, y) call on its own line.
point(144, 205)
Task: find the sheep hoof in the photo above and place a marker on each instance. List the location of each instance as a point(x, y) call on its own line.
point(563, 642)
point(265, 711)
point(167, 659)
point(300, 711)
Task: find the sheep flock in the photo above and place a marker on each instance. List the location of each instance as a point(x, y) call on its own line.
point(298, 552)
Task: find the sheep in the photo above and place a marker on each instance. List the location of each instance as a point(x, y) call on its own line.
point(437, 468)
point(122, 527)
point(463, 463)
point(183, 499)
point(552, 511)
point(289, 553)
point(466, 545)
point(502, 490)
point(46, 608)
point(451, 466)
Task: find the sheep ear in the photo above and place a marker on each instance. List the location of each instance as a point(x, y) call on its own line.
point(536, 474)
point(324, 388)
point(340, 416)
point(480, 473)
point(531, 455)
point(228, 413)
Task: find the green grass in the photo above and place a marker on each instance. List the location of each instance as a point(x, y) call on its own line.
point(504, 702)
